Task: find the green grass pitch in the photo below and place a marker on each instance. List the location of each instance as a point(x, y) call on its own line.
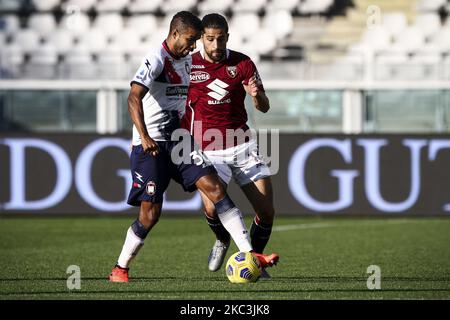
point(321, 258)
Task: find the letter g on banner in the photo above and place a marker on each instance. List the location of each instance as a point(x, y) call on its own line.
point(83, 174)
point(296, 175)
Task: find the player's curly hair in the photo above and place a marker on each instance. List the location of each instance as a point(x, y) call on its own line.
point(215, 21)
point(185, 19)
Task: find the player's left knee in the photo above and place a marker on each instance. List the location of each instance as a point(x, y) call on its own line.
point(213, 189)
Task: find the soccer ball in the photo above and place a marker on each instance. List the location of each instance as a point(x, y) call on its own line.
point(243, 267)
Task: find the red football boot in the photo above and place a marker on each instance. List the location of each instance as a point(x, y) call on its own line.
point(267, 260)
point(119, 274)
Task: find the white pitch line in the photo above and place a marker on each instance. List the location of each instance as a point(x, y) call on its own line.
point(334, 225)
point(303, 226)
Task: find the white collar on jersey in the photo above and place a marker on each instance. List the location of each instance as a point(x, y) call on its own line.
point(202, 53)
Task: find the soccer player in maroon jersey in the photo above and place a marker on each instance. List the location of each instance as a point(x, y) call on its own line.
point(220, 80)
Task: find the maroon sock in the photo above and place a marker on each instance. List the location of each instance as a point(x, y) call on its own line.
point(260, 234)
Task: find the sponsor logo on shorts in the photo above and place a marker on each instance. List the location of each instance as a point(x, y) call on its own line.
point(151, 188)
point(199, 76)
point(138, 176)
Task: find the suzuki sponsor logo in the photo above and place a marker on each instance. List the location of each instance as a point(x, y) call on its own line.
point(218, 89)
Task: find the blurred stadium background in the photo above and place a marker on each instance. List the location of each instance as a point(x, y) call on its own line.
point(350, 77)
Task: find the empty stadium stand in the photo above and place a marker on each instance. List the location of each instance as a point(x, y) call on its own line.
point(324, 37)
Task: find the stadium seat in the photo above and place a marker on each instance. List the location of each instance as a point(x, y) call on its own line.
point(82, 5)
point(411, 39)
point(314, 7)
point(110, 23)
point(43, 63)
point(165, 22)
point(350, 67)
point(157, 37)
point(127, 39)
point(280, 22)
point(141, 6)
point(78, 64)
point(43, 23)
point(430, 5)
point(170, 7)
point(235, 39)
point(245, 21)
point(428, 23)
point(214, 6)
point(11, 5)
point(142, 24)
point(262, 41)
point(136, 56)
point(9, 23)
point(111, 63)
point(27, 39)
point(248, 6)
point(3, 38)
point(442, 39)
point(447, 10)
point(425, 66)
point(250, 51)
point(45, 5)
point(391, 66)
point(288, 5)
point(61, 39)
point(376, 38)
point(12, 59)
point(110, 5)
point(78, 23)
point(394, 22)
point(446, 65)
point(95, 40)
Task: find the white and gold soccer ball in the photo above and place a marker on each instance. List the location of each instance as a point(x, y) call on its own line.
point(243, 267)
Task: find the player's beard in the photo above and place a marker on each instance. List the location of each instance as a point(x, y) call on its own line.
point(217, 55)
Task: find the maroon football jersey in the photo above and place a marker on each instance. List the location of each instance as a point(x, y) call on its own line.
point(216, 96)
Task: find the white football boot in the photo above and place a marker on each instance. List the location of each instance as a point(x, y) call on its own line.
point(217, 255)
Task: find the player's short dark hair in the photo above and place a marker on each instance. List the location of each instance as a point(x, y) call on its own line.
point(215, 21)
point(185, 19)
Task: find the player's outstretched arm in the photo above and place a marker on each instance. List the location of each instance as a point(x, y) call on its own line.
point(135, 108)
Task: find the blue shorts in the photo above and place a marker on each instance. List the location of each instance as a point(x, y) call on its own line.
point(152, 174)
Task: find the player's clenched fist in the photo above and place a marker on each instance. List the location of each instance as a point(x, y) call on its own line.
point(252, 87)
point(150, 146)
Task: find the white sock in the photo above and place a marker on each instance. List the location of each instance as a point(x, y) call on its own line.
point(233, 221)
point(130, 248)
